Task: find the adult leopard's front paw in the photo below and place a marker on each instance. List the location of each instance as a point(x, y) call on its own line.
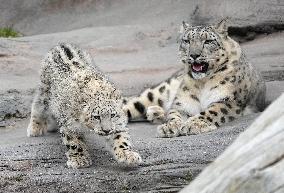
point(129, 157)
point(170, 129)
point(196, 126)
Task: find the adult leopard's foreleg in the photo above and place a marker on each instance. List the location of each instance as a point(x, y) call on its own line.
point(173, 125)
point(213, 117)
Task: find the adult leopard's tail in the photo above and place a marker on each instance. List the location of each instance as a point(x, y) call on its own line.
point(161, 95)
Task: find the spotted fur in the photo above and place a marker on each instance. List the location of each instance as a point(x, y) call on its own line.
point(217, 86)
point(76, 97)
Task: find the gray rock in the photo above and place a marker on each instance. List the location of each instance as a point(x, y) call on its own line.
point(46, 16)
point(38, 164)
point(14, 104)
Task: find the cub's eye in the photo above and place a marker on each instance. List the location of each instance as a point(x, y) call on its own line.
point(112, 115)
point(97, 117)
point(186, 41)
point(208, 41)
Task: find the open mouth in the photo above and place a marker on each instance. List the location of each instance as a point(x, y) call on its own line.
point(199, 67)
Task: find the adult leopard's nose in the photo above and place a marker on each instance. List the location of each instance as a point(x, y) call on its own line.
point(194, 56)
point(106, 132)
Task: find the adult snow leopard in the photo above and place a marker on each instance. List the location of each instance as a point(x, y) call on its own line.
point(217, 86)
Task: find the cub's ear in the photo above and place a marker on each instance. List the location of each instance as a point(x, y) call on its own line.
point(222, 27)
point(85, 114)
point(116, 94)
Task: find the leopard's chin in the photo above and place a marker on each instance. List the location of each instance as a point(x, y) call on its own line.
point(198, 76)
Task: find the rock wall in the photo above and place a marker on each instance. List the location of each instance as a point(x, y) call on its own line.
point(45, 16)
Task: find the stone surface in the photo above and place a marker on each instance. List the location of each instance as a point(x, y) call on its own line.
point(45, 16)
point(38, 164)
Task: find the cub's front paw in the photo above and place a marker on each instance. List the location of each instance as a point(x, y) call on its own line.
point(76, 162)
point(155, 114)
point(170, 129)
point(196, 126)
point(36, 129)
point(129, 157)
point(133, 157)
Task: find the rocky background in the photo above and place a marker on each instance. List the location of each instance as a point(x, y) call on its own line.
point(135, 43)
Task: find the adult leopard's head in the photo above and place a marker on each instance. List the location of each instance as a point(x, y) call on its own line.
point(202, 48)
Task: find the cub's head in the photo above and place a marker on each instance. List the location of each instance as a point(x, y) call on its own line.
point(104, 116)
point(202, 49)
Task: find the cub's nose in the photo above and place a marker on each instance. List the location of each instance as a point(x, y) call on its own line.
point(194, 56)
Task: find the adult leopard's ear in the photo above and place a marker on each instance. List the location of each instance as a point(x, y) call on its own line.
point(222, 27)
point(184, 26)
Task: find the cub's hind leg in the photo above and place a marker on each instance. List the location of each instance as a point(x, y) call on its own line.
point(78, 155)
point(39, 115)
point(52, 125)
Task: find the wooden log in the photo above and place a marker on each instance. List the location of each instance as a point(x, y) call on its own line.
point(254, 163)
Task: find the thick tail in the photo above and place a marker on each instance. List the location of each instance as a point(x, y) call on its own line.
point(160, 95)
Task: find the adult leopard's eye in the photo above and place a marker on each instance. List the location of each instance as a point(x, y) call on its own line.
point(186, 41)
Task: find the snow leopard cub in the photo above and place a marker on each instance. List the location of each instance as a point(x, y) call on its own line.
point(76, 97)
